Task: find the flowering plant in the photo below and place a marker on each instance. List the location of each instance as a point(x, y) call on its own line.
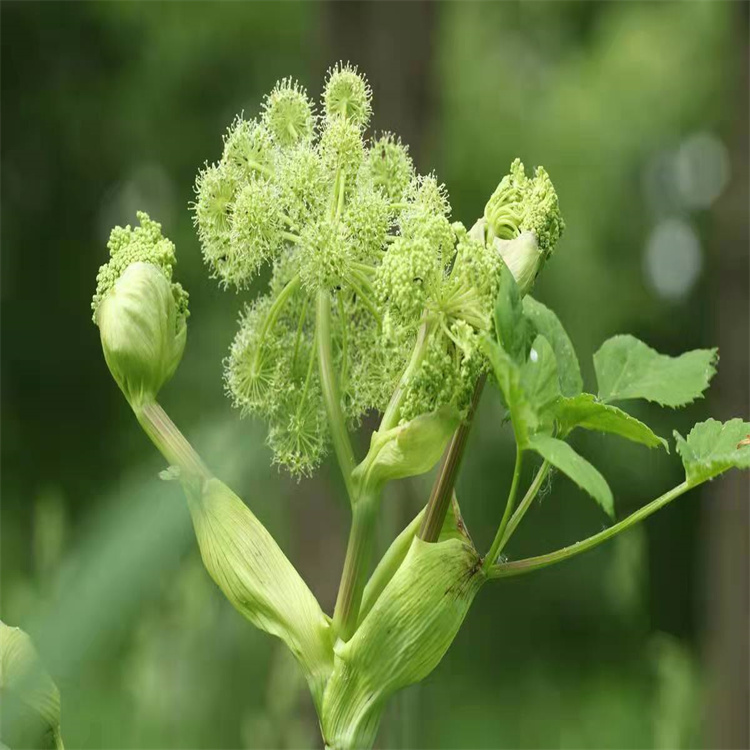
point(378, 303)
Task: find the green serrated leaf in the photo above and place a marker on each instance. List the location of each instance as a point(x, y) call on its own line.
point(512, 330)
point(548, 324)
point(575, 467)
point(627, 368)
point(539, 380)
point(508, 376)
point(585, 411)
point(712, 448)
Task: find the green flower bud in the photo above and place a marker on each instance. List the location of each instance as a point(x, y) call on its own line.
point(390, 166)
point(23, 676)
point(142, 332)
point(144, 243)
point(247, 148)
point(523, 257)
point(410, 449)
point(348, 94)
point(288, 114)
point(341, 146)
point(525, 204)
point(446, 375)
point(406, 277)
point(256, 234)
point(401, 640)
point(254, 574)
point(215, 188)
point(328, 255)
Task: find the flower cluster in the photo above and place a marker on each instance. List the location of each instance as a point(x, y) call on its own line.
point(438, 277)
point(309, 195)
point(335, 213)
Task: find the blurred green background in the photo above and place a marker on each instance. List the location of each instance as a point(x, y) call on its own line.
point(640, 113)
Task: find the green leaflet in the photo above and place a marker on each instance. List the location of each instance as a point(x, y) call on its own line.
point(575, 467)
point(548, 324)
point(539, 380)
point(627, 368)
point(712, 448)
point(512, 330)
point(258, 579)
point(402, 639)
point(585, 411)
point(22, 674)
point(508, 376)
point(530, 390)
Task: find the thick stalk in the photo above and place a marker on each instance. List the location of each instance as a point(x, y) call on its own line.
point(518, 567)
point(356, 565)
point(364, 503)
point(442, 489)
point(329, 384)
point(509, 506)
point(169, 440)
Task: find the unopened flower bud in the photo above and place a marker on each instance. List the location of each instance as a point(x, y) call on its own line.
point(523, 257)
point(142, 332)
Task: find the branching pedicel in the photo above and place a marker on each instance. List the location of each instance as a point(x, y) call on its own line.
point(377, 302)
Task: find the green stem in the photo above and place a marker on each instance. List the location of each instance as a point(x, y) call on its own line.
point(298, 336)
point(366, 301)
point(293, 238)
point(273, 313)
point(364, 502)
point(524, 505)
point(517, 567)
point(364, 511)
point(344, 342)
point(497, 542)
point(172, 444)
point(391, 415)
point(340, 435)
point(363, 268)
point(341, 193)
point(442, 489)
point(356, 565)
point(260, 168)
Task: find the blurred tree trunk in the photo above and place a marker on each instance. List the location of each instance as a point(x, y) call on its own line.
point(728, 504)
point(393, 44)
